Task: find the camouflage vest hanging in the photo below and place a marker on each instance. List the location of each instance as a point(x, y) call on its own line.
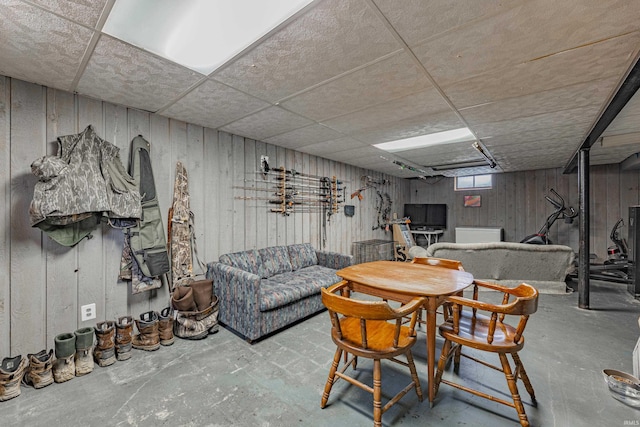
point(83, 184)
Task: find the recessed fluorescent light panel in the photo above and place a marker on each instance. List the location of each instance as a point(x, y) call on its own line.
point(446, 137)
point(199, 34)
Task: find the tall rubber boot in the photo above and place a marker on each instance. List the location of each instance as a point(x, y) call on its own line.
point(202, 293)
point(64, 367)
point(104, 352)
point(182, 299)
point(84, 345)
point(165, 326)
point(148, 337)
point(12, 370)
point(38, 372)
point(124, 335)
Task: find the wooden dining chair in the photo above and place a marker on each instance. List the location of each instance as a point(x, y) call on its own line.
point(373, 330)
point(472, 328)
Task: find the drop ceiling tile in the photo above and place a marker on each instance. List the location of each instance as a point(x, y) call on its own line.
point(442, 154)
point(393, 77)
point(213, 104)
point(628, 120)
point(576, 130)
point(417, 106)
point(38, 46)
point(122, 74)
point(304, 136)
point(418, 20)
point(266, 123)
point(513, 37)
point(565, 98)
point(599, 155)
point(325, 148)
point(80, 11)
point(597, 61)
point(333, 37)
point(584, 116)
point(409, 127)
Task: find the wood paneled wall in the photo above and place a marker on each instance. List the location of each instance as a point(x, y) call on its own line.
point(43, 284)
point(517, 204)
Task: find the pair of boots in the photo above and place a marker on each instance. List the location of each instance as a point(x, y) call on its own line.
point(154, 329)
point(73, 355)
point(197, 310)
point(113, 341)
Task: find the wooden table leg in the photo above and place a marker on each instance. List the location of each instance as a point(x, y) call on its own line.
point(431, 346)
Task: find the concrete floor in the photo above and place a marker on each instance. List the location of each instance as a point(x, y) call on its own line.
point(223, 381)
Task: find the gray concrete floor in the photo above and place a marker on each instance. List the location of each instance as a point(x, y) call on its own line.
point(223, 381)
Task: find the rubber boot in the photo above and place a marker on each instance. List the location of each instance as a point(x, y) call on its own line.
point(39, 373)
point(104, 353)
point(124, 335)
point(202, 293)
point(182, 299)
point(84, 345)
point(64, 367)
point(12, 370)
point(148, 337)
point(165, 326)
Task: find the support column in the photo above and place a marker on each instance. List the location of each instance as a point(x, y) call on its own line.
point(583, 202)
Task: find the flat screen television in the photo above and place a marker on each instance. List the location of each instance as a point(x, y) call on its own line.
point(427, 215)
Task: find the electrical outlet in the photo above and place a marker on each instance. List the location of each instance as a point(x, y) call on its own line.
point(88, 312)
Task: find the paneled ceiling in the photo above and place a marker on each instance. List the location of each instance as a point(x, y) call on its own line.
point(528, 77)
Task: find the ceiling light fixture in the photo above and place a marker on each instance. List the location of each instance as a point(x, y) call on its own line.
point(481, 150)
point(200, 34)
point(439, 138)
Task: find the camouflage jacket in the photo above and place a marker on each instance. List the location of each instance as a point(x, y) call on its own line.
point(85, 182)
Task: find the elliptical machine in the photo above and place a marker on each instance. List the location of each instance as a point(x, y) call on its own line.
point(561, 212)
point(615, 267)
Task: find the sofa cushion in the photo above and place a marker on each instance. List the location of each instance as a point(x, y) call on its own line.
point(275, 260)
point(245, 260)
point(275, 294)
point(302, 255)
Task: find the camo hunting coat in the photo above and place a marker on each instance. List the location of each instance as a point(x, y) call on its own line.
point(85, 182)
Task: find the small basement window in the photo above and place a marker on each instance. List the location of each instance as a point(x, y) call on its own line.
point(473, 182)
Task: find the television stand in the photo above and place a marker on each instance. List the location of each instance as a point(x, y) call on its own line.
point(435, 233)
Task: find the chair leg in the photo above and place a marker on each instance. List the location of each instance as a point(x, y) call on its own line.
point(377, 394)
point(513, 387)
point(456, 358)
point(331, 379)
point(523, 375)
point(414, 375)
point(444, 356)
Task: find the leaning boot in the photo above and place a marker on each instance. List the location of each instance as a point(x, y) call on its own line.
point(104, 352)
point(64, 367)
point(182, 299)
point(12, 370)
point(124, 335)
point(202, 293)
point(148, 337)
point(84, 345)
point(39, 373)
point(165, 326)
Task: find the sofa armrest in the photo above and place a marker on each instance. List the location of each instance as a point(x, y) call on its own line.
point(334, 260)
point(237, 290)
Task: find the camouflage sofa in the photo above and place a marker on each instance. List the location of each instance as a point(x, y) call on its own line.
point(263, 290)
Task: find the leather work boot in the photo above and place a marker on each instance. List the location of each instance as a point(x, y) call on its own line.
point(12, 370)
point(38, 372)
point(104, 352)
point(202, 293)
point(182, 299)
point(64, 367)
point(83, 357)
point(165, 326)
point(148, 337)
point(124, 335)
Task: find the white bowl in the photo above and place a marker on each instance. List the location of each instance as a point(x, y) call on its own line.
point(623, 386)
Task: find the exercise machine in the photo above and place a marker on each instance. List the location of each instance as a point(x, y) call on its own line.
point(560, 212)
point(616, 267)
